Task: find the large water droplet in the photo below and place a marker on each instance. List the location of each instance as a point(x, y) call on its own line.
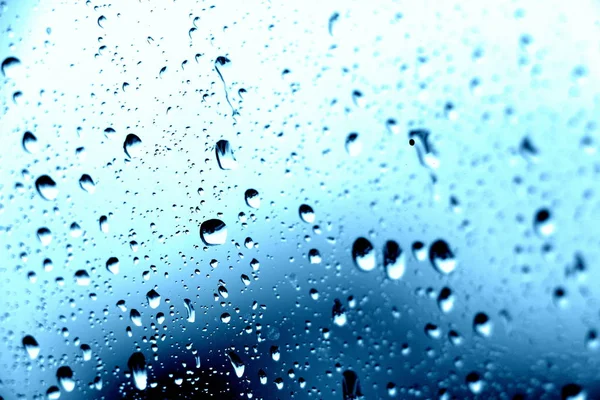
point(10, 66)
point(446, 300)
point(87, 183)
point(475, 383)
point(31, 346)
point(213, 232)
point(543, 223)
point(394, 260)
point(64, 375)
point(189, 308)
point(225, 156)
point(307, 214)
point(338, 313)
point(112, 264)
point(363, 254)
point(482, 325)
point(237, 364)
point(573, 391)
point(137, 365)
point(135, 317)
point(45, 236)
point(153, 298)
point(46, 187)
point(53, 393)
point(442, 257)
point(351, 389)
point(132, 145)
point(82, 278)
point(30, 143)
point(252, 198)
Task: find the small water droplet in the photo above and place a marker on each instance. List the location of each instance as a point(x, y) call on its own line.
point(353, 145)
point(87, 183)
point(306, 213)
point(338, 313)
point(189, 308)
point(153, 298)
point(482, 325)
point(30, 143)
point(112, 265)
point(31, 346)
point(543, 223)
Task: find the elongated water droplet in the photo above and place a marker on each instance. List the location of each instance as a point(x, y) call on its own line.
point(351, 389)
point(252, 198)
point(338, 313)
point(103, 222)
point(225, 156)
point(31, 346)
point(394, 260)
point(332, 20)
point(275, 353)
point(237, 364)
point(87, 183)
point(137, 365)
point(445, 300)
point(135, 317)
point(543, 223)
point(30, 143)
point(153, 298)
point(307, 214)
point(213, 232)
point(46, 187)
point(189, 308)
point(64, 375)
point(112, 264)
point(86, 351)
point(363, 254)
point(442, 257)
point(427, 154)
point(132, 145)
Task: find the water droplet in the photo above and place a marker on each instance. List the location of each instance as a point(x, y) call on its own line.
point(441, 257)
point(153, 298)
point(103, 222)
point(332, 20)
point(358, 98)
point(314, 257)
point(87, 183)
point(252, 198)
point(307, 213)
point(543, 223)
point(528, 151)
point(109, 132)
point(237, 364)
point(132, 146)
point(446, 300)
point(225, 156)
point(101, 20)
point(591, 340)
point(392, 126)
point(10, 66)
point(275, 353)
point(64, 375)
point(137, 365)
point(45, 236)
point(475, 383)
point(31, 346)
point(46, 187)
point(338, 313)
point(135, 317)
point(53, 393)
point(189, 308)
point(82, 278)
point(433, 331)
point(213, 232)
point(391, 389)
point(573, 391)
point(262, 376)
point(363, 254)
point(419, 251)
point(353, 145)
point(482, 325)
point(112, 264)
point(351, 389)
point(394, 260)
point(30, 143)
point(427, 154)
point(86, 351)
